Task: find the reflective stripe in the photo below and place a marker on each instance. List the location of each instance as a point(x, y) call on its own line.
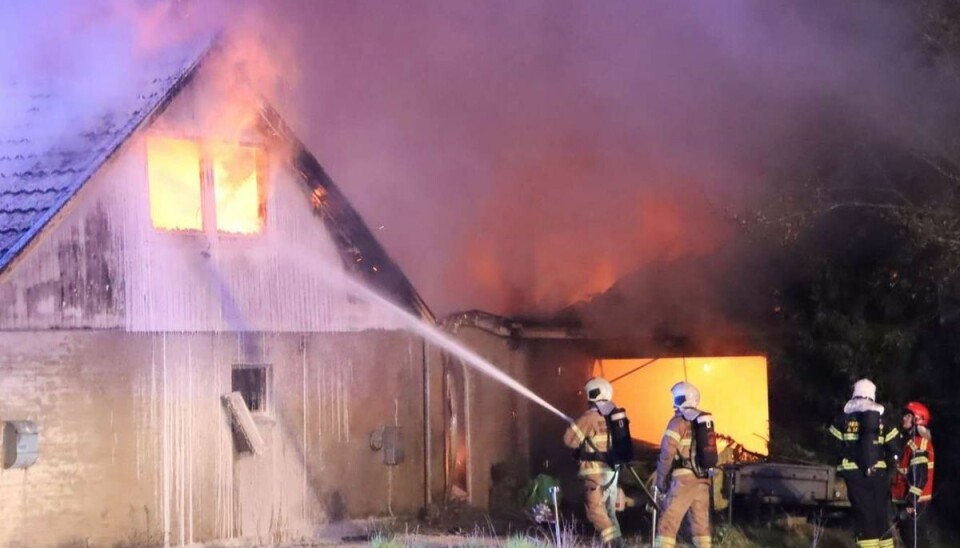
point(592, 467)
point(925, 498)
point(923, 444)
point(930, 466)
point(610, 533)
point(847, 465)
point(918, 460)
point(893, 433)
point(664, 542)
point(686, 442)
point(851, 437)
point(702, 542)
point(886, 543)
point(869, 543)
point(916, 491)
point(672, 435)
point(578, 432)
point(682, 472)
point(835, 433)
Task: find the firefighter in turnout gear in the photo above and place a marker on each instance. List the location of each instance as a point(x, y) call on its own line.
point(913, 484)
point(590, 438)
point(680, 471)
point(863, 443)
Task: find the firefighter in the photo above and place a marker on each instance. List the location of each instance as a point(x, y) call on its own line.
point(590, 439)
point(688, 490)
point(913, 484)
point(864, 443)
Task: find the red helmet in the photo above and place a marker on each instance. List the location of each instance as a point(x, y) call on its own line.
point(921, 415)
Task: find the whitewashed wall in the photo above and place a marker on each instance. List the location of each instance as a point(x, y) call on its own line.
point(72, 275)
point(183, 282)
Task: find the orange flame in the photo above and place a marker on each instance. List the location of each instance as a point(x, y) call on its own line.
point(237, 189)
point(176, 186)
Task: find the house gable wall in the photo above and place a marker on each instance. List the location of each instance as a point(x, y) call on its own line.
point(73, 277)
point(103, 265)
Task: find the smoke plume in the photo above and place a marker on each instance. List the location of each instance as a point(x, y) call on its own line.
point(518, 157)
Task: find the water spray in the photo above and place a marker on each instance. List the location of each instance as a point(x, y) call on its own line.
point(431, 333)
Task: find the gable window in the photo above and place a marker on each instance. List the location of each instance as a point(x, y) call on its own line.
point(173, 172)
point(239, 196)
point(253, 384)
point(196, 186)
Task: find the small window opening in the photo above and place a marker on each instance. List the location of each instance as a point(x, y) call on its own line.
point(252, 382)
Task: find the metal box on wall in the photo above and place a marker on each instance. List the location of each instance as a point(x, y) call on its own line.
point(393, 453)
point(21, 444)
point(388, 439)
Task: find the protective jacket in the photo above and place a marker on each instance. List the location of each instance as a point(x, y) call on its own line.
point(914, 480)
point(588, 435)
point(675, 448)
point(688, 496)
point(864, 442)
point(863, 445)
point(593, 426)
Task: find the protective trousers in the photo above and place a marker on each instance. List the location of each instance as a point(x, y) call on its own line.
point(687, 493)
point(870, 503)
point(601, 501)
point(913, 527)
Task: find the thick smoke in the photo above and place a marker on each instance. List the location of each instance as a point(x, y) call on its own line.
point(517, 157)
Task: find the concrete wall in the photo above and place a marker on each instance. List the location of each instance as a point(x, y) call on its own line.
point(496, 416)
point(136, 445)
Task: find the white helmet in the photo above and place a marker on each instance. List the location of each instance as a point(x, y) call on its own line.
point(598, 389)
point(865, 389)
point(685, 395)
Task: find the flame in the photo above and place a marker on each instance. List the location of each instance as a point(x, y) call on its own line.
point(174, 175)
point(173, 172)
point(237, 190)
point(734, 389)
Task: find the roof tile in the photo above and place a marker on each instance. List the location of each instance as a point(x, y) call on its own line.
point(46, 157)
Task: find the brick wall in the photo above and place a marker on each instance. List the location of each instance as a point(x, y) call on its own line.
point(136, 446)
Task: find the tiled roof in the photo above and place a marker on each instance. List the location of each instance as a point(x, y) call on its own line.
point(51, 142)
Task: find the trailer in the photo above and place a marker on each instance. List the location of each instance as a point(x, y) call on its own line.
point(797, 486)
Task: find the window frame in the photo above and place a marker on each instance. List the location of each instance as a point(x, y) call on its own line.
point(208, 198)
point(266, 408)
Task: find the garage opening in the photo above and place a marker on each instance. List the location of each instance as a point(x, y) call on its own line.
point(733, 388)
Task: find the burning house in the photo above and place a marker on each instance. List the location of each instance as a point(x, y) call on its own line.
point(180, 359)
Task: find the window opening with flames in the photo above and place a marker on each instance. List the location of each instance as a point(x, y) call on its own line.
point(195, 185)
